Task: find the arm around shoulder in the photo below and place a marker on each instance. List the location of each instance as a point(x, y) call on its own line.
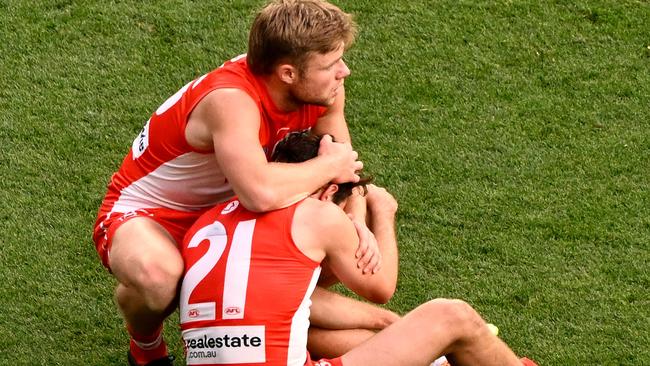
point(231, 120)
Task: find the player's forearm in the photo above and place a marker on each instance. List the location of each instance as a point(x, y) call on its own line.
point(333, 122)
point(380, 286)
point(383, 226)
point(339, 132)
point(279, 185)
point(376, 287)
point(331, 310)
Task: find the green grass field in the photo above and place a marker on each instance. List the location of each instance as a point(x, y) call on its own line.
point(513, 133)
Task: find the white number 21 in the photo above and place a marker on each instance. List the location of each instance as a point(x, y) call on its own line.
point(236, 278)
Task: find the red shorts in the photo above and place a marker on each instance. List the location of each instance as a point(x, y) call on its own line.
point(175, 222)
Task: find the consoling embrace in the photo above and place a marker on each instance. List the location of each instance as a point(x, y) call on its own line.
point(242, 186)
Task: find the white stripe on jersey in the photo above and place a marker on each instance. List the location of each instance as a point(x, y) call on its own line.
point(237, 268)
point(300, 326)
point(187, 183)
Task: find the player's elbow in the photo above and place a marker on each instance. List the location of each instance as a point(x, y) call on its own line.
point(386, 294)
point(377, 289)
point(381, 294)
point(258, 201)
point(257, 197)
point(380, 298)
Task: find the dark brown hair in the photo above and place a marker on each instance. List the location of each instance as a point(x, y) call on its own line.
point(297, 147)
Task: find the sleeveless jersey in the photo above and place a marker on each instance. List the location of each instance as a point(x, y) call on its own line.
point(246, 291)
point(163, 171)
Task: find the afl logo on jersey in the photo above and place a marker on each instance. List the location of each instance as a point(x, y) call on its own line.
point(232, 310)
point(141, 142)
point(193, 313)
point(230, 207)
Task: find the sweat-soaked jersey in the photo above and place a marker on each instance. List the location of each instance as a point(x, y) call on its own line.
point(246, 291)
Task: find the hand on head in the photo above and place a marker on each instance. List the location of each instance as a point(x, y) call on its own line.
point(345, 159)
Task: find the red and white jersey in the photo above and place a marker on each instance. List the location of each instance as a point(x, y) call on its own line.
point(246, 291)
point(163, 171)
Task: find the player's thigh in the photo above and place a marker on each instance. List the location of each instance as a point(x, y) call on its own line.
point(417, 339)
point(143, 251)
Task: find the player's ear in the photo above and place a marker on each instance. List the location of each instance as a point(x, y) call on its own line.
point(287, 73)
point(328, 192)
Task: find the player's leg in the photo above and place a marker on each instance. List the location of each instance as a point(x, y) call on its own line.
point(331, 310)
point(339, 323)
point(147, 264)
point(332, 343)
point(438, 327)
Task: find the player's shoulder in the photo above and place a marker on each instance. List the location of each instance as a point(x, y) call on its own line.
point(230, 80)
point(319, 225)
point(228, 96)
point(323, 216)
point(224, 104)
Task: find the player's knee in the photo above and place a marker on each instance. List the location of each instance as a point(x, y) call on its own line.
point(386, 318)
point(457, 315)
point(464, 318)
point(158, 281)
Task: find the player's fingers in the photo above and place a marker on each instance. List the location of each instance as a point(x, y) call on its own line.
point(366, 259)
point(323, 147)
point(375, 264)
point(365, 262)
point(374, 259)
point(361, 253)
point(327, 138)
point(362, 231)
point(377, 267)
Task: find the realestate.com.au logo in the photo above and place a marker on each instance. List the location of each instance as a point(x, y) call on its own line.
point(225, 345)
point(224, 341)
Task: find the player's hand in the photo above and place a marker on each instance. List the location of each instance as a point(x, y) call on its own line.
point(380, 201)
point(368, 254)
point(345, 160)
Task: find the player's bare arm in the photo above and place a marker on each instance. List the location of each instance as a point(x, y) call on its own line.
point(333, 121)
point(323, 230)
point(368, 254)
point(228, 121)
point(382, 208)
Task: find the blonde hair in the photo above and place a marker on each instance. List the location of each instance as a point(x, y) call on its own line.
point(289, 30)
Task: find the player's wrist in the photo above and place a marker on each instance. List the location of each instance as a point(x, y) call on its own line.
point(383, 210)
point(327, 166)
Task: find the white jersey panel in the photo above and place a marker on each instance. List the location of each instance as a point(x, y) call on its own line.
point(189, 182)
point(300, 326)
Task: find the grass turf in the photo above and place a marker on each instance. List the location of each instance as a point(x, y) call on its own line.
point(513, 134)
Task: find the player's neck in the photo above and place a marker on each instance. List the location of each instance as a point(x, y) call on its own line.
point(279, 93)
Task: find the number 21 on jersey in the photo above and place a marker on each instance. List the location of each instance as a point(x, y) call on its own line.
point(235, 281)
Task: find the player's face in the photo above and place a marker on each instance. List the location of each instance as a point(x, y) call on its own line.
point(322, 78)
